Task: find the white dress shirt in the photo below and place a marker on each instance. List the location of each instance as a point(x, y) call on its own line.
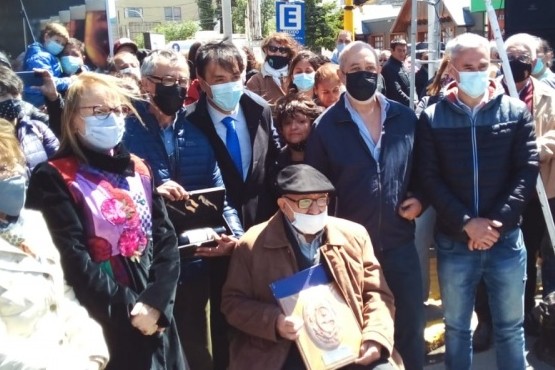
point(242, 133)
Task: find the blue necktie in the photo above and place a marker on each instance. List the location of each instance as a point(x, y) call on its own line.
point(232, 143)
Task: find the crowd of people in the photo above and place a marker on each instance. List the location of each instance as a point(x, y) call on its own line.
point(323, 161)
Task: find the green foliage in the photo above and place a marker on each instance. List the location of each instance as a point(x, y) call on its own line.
point(268, 17)
point(238, 14)
point(177, 30)
point(322, 22)
point(140, 41)
point(207, 13)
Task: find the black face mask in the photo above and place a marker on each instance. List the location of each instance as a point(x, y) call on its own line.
point(519, 70)
point(169, 98)
point(277, 61)
point(10, 109)
point(361, 85)
point(298, 147)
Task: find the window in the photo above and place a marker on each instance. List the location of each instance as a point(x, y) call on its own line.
point(447, 34)
point(133, 12)
point(377, 42)
point(172, 13)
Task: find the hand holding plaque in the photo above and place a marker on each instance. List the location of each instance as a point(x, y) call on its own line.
point(199, 222)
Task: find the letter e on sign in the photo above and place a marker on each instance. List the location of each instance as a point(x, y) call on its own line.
point(290, 17)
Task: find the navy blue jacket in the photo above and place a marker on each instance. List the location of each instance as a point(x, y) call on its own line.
point(368, 192)
point(482, 166)
point(194, 166)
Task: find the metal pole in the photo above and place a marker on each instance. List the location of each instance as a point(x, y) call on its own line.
point(494, 24)
point(24, 34)
point(412, 52)
point(26, 19)
point(433, 40)
point(226, 19)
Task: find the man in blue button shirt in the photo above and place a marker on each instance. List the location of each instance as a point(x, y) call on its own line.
point(364, 145)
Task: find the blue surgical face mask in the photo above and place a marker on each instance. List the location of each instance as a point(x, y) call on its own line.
point(340, 47)
point(101, 135)
point(70, 64)
point(13, 195)
point(304, 81)
point(226, 96)
point(538, 68)
point(53, 47)
point(474, 84)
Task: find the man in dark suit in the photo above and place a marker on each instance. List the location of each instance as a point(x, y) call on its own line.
point(397, 80)
point(239, 126)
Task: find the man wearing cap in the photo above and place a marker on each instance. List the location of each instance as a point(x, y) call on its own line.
point(298, 236)
point(125, 44)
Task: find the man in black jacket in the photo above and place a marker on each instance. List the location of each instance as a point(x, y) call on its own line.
point(397, 80)
point(478, 165)
point(238, 125)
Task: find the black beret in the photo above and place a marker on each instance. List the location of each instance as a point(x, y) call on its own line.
point(302, 179)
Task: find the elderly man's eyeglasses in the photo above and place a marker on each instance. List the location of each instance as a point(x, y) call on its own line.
point(305, 203)
point(103, 111)
point(281, 49)
point(170, 80)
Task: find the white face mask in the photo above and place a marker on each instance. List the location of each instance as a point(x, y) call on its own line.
point(133, 71)
point(309, 224)
point(102, 135)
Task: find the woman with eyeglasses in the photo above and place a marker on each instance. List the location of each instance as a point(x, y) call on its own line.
point(271, 83)
point(118, 248)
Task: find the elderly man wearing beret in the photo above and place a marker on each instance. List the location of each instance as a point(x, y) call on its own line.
point(301, 235)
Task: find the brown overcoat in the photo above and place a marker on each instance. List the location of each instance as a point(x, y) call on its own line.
point(265, 255)
point(266, 87)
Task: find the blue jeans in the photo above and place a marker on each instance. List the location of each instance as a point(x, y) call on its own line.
point(401, 268)
point(503, 268)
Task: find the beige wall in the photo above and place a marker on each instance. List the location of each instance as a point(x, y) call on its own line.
point(152, 14)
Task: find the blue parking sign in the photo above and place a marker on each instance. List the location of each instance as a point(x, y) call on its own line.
point(290, 19)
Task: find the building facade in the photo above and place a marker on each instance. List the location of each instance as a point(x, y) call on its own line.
point(138, 16)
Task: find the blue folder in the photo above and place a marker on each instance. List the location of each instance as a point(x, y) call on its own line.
point(315, 275)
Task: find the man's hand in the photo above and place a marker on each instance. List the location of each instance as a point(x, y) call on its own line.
point(145, 318)
point(173, 191)
point(410, 208)
point(370, 351)
point(482, 233)
point(288, 327)
point(226, 246)
point(48, 88)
